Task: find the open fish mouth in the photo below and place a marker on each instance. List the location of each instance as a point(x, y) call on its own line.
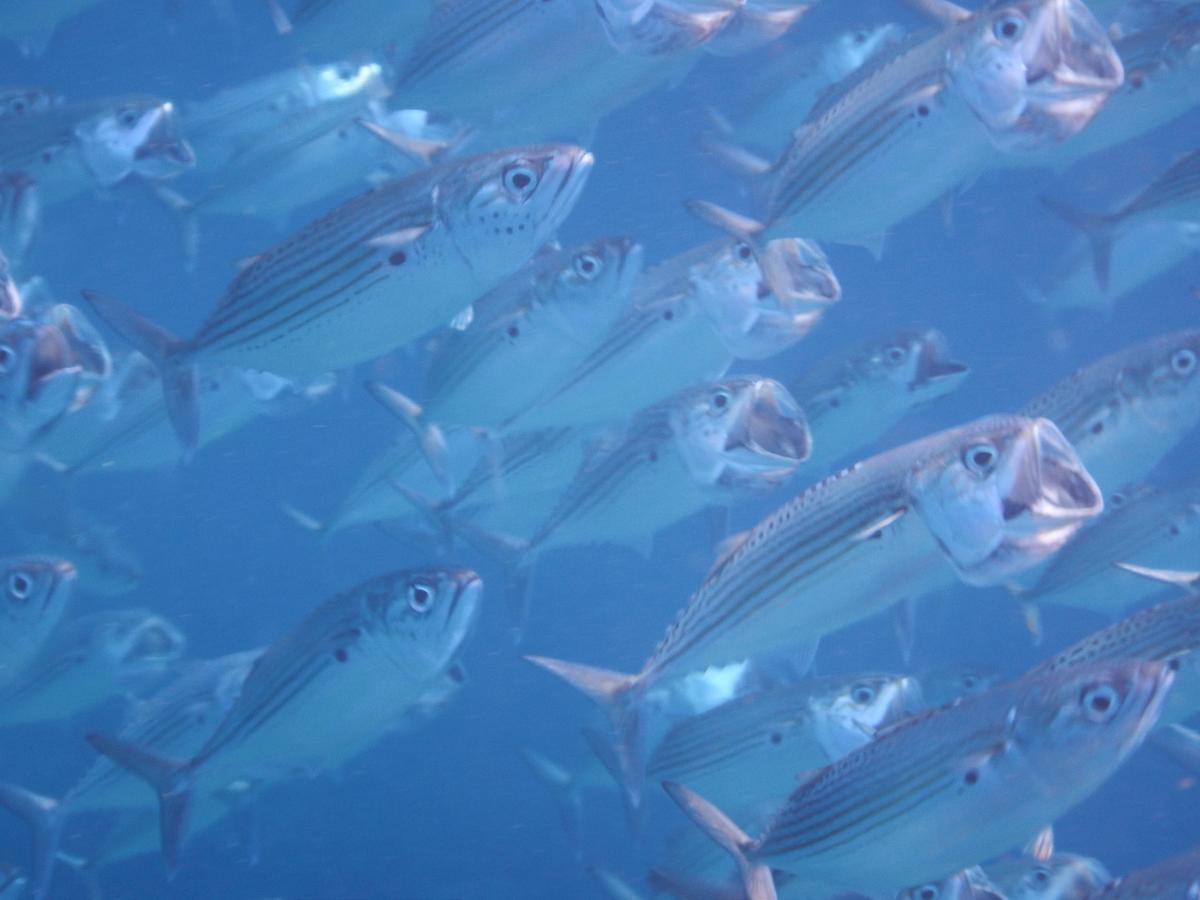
point(1071, 69)
point(164, 157)
point(795, 272)
point(62, 580)
point(568, 169)
point(770, 432)
point(1050, 484)
point(934, 370)
point(154, 641)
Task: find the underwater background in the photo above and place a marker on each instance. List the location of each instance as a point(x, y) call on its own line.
point(450, 809)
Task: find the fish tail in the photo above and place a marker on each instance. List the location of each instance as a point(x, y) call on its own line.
point(565, 790)
point(429, 436)
point(168, 355)
point(44, 817)
point(170, 779)
point(615, 694)
point(756, 876)
point(1098, 229)
point(622, 765)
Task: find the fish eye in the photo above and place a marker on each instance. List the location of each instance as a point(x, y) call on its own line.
point(1009, 27)
point(18, 104)
point(520, 179)
point(862, 694)
point(1100, 702)
point(743, 251)
point(895, 354)
point(128, 117)
point(587, 266)
point(980, 458)
point(969, 682)
point(1039, 877)
point(1183, 362)
point(20, 586)
point(720, 399)
point(928, 892)
point(420, 597)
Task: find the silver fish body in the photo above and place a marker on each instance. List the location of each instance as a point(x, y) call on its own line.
point(90, 660)
point(1149, 527)
point(33, 597)
point(1064, 876)
point(1124, 412)
point(891, 812)
point(852, 399)
point(565, 302)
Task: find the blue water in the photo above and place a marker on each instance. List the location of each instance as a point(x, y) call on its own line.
point(450, 810)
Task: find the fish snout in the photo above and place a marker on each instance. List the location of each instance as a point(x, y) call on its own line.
point(1065, 489)
point(775, 425)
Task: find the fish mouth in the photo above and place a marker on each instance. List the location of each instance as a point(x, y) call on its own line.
point(796, 271)
point(770, 432)
point(464, 602)
point(570, 168)
point(632, 257)
point(62, 580)
point(153, 642)
point(934, 371)
point(1071, 68)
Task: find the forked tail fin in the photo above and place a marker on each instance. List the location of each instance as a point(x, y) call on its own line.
point(565, 790)
point(170, 779)
point(44, 817)
point(756, 876)
point(1098, 229)
point(166, 352)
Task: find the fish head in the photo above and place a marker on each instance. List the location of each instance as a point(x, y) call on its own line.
point(38, 380)
point(501, 207)
point(849, 712)
point(34, 592)
point(26, 100)
point(138, 135)
point(762, 302)
point(913, 364)
point(1064, 876)
point(1001, 495)
point(756, 24)
point(740, 434)
point(1035, 72)
point(969, 884)
point(1162, 388)
point(664, 27)
point(346, 79)
point(950, 683)
point(590, 286)
point(1087, 718)
point(426, 614)
point(138, 643)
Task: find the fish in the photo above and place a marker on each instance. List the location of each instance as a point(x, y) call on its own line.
point(1173, 196)
point(1064, 876)
point(74, 148)
point(1013, 76)
point(1146, 251)
point(90, 659)
point(36, 591)
point(281, 108)
point(1148, 526)
point(23, 100)
point(40, 377)
point(541, 323)
point(326, 298)
point(1057, 736)
point(692, 316)
point(969, 884)
point(357, 663)
point(1161, 61)
point(853, 398)
point(1125, 411)
point(176, 719)
point(979, 503)
point(947, 683)
point(637, 27)
point(745, 753)
point(789, 85)
point(20, 209)
point(1174, 878)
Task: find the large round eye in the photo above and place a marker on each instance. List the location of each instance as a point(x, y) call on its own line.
point(420, 597)
point(743, 251)
point(862, 694)
point(1009, 27)
point(128, 117)
point(980, 458)
point(928, 892)
point(1038, 878)
point(18, 104)
point(7, 357)
point(20, 586)
point(587, 266)
point(1100, 702)
point(520, 179)
point(720, 399)
point(895, 354)
point(1183, 362)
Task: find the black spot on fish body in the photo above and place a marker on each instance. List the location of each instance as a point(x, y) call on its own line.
point(922, 110)
point(1097, 428)
point(776, 737)
point(513, 331)
point(653, 456)
point(340, 654)
point(398, 258)
point(971, 777)
point(668, 315)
